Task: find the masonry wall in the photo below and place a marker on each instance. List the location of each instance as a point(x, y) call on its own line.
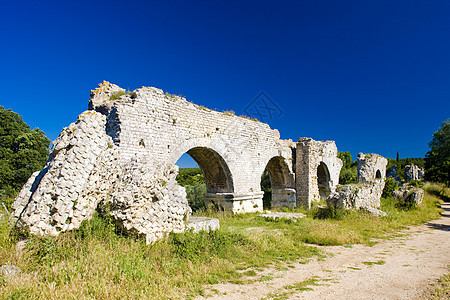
point(167, 126)
point(310, 155)
point(122, 152)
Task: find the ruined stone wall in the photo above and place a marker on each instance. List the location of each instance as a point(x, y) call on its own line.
point(51, 201)
point(169, 126)
point(367, 193)
point(370, 167)
point(85, 172)
point(365, 196)
point(119, 159)
point(413, 172)
point(317, 168)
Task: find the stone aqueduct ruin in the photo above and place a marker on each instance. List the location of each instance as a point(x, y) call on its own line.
point(119, 157)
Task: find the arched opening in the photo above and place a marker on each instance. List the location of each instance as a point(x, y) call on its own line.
point(217, 175)
point(203, 170)
point(277, 184)
point(323, 181)
point(378, 174)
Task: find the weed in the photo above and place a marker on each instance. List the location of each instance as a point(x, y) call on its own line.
point(371, 263)
point(249, 273)
point(298, 287)
point(116, 95)
point(229, 113)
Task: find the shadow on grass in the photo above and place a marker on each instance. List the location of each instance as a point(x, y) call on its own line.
point(439, 194)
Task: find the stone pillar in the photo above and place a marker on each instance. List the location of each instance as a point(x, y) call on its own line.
point(237, 203)
point(284, 197)
point(303, 178)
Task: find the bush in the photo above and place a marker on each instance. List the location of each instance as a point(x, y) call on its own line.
point(7, 196)
point(266, 187)
point(348, 172)
point(347, 176)
point(390, 186)
point(195, 195)
point(22, 151)
point(416, 183)
point(190, 176)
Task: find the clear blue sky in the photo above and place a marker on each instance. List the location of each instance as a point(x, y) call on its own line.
point(372, 75)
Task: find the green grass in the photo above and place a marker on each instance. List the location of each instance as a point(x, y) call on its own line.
point(371, 263)
point(297, 287)
point(97, 262)
point(439, 290)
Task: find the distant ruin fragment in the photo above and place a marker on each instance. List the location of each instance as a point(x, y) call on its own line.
point(413, 172)
point(367, 193)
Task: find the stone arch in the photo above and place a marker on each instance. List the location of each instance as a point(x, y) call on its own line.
point(282, 182)
point(323, 180)
point(278, 172)
point(212, 159)
point(378, 175)
point(217, 175)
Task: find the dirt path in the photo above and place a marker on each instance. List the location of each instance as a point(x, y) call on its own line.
point(400, 268)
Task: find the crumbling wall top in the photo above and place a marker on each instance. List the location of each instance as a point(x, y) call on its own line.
point(370, 167)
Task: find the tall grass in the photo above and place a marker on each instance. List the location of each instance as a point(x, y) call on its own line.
point(97, 262)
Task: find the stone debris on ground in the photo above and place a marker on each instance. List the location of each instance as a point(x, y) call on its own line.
point(202, 223)
point(409, 196)
point(413, 172)
point(10, 271)
point(281, 215)
point(366, 194)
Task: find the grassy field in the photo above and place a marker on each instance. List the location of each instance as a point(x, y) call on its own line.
point(96, 262)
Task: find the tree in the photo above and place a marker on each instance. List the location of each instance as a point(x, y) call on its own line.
point(346, 158)
point(348, 172)
point(398, 157)
point(22, 152)
point(437, 160)
point(266, 187)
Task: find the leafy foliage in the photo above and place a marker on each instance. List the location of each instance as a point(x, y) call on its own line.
point(266, 187)
point(195, 195)
point(402, 163)
point(22, 152)
point(346, 158)
point(193, 181)
point(348, 172)
point(390, 186)
point(437, 160)
point(190, 176)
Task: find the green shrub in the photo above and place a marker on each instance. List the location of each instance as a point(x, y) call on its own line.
point(390, 186)
point(117, 95)
point(416, 183)
point(266, 187)
point(195, 195)
point(190, 176)
point(348, 175)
